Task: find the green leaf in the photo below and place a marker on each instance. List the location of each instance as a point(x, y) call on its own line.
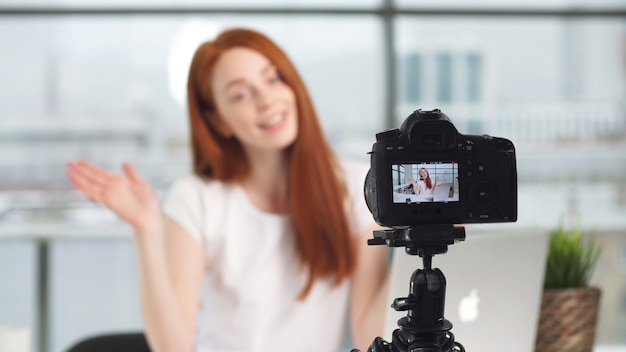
point(572, 257)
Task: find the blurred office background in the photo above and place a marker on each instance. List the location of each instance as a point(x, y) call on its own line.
point(105, 81)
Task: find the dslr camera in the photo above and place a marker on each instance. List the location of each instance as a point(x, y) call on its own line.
point(427, 173)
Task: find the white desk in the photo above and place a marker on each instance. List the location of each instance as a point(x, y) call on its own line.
point(76, 244)
point(42, 236)
point(609, 349)
point(414, 198)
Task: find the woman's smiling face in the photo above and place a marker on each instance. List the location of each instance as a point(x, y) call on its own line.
point(253, 102)
point(423, 174)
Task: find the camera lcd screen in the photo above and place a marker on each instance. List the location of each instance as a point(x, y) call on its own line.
point(425, 182)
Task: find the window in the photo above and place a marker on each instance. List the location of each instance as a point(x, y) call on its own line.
point(443, 80)
point(414, 78)
point(474, 77)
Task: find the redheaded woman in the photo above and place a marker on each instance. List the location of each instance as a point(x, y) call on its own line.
point(262, 248)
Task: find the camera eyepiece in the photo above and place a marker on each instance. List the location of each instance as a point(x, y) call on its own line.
point(428, 130)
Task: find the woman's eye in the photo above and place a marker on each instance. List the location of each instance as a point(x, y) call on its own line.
point(275, 78)
point(238, 96)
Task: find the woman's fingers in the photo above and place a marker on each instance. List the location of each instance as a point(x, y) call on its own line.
point(132, 174)
point(128, 195)
point(75, 174)
point(85, 183)
point(91, 180)
point(80, 172)
point(93, 173)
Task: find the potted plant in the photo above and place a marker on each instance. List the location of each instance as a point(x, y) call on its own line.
point(569, 306)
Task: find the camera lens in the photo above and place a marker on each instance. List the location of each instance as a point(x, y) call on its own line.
point(483, 194)
point(369, 190)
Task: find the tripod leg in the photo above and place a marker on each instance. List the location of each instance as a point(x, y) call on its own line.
point(379, 345)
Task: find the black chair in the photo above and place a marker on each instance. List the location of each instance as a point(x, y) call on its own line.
point(129, 342)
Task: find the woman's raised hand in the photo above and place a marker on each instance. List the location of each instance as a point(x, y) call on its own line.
point(128, 195)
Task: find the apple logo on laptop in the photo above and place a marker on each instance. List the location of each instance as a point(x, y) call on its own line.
point(468, 307)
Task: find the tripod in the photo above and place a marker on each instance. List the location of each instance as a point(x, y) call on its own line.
point(423, 329)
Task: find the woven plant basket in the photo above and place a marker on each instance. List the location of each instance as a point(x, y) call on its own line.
point(567, 320)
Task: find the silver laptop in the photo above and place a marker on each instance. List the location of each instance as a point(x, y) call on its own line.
point(441, 193)
point(494, 287)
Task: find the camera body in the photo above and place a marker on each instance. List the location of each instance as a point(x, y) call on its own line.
point(467, 178)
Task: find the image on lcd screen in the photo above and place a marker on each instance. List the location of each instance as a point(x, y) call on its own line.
point(425, 182)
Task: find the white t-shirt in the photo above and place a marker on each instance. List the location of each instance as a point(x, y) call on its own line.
point(252, 274)
point(423, 188)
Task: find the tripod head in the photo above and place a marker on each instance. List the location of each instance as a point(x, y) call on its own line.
point(424, 328)
point(422, 240)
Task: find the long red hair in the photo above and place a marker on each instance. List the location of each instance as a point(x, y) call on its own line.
point(316, 192)
point(427, 180)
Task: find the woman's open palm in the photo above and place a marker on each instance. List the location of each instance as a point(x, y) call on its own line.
point(128, 195)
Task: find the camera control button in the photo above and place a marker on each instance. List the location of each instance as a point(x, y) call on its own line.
point(481, 168)
point(483, 194)
point(469, 173)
